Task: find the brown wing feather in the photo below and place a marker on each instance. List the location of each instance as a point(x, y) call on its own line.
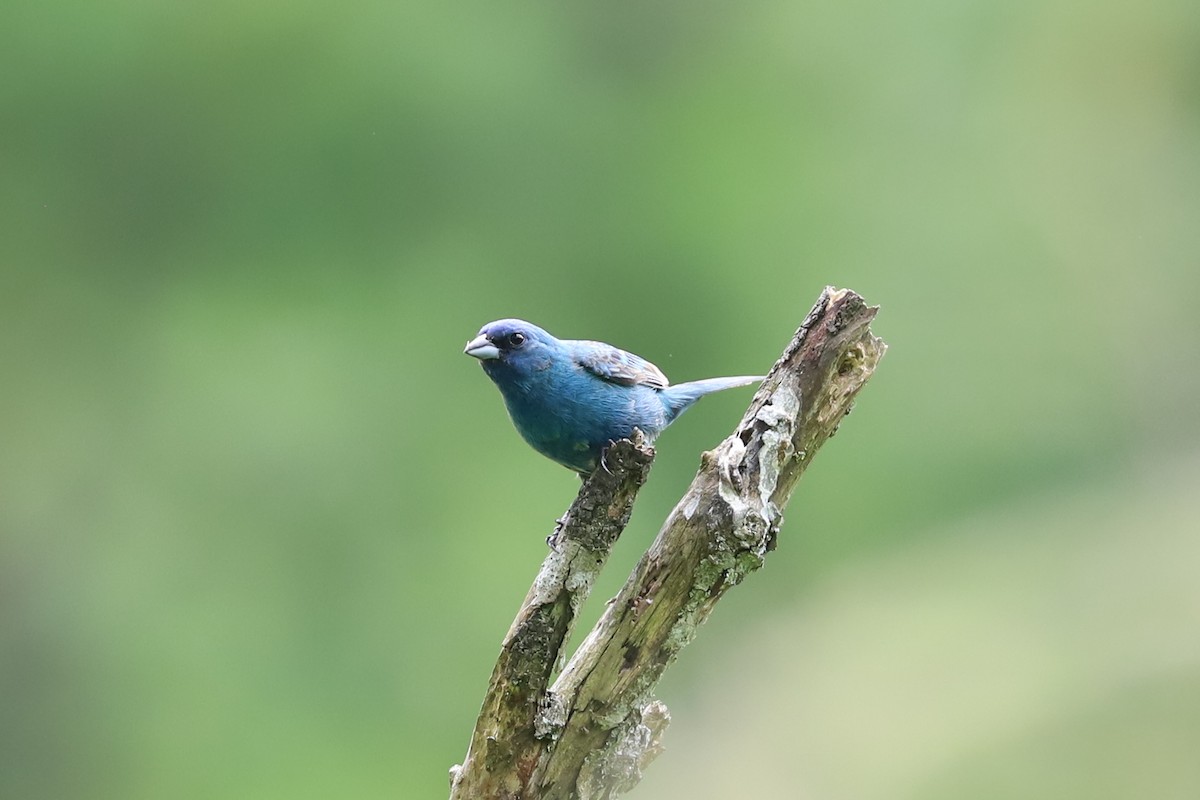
point(616, 365)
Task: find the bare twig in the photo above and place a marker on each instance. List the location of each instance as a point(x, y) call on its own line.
point(599, 725)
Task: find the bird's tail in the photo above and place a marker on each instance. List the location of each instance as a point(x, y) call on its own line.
point(680, 397)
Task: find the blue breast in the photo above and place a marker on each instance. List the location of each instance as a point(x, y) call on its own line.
point(569, 415)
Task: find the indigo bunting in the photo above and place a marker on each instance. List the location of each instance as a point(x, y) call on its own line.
point(568, 399)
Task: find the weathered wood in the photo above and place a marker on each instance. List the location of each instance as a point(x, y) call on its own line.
point(505, 745)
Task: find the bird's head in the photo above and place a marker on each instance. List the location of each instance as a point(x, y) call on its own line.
point(511, 344)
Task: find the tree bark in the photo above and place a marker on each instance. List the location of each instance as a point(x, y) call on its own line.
point(590, 735)
point(508, 734)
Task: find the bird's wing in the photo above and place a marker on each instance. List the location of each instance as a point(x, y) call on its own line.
point(617, 366)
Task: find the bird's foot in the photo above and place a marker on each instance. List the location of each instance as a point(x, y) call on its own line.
point(559, 524)
point(604, 453)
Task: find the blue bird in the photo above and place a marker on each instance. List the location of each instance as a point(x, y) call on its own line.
point(568, 399)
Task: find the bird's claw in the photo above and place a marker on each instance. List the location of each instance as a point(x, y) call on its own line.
point(604, 453)
point(559, 524)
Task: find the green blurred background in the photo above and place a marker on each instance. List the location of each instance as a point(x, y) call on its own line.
point(262, 526)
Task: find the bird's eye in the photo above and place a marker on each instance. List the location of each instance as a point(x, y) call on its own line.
point(516, 339)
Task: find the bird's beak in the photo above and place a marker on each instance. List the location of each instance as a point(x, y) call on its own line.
point(481, 348)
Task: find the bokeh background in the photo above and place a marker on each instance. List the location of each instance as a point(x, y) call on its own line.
point(262, 526)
